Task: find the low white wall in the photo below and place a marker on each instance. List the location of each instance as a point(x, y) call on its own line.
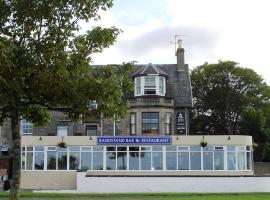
point(171, 184)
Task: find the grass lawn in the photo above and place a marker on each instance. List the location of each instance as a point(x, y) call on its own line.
point(141, 196)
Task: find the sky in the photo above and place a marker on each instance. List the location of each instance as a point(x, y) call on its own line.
point(211, 30)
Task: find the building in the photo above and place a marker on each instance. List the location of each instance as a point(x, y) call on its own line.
point(153, 141)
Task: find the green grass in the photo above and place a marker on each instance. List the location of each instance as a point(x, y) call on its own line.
point(140, 196)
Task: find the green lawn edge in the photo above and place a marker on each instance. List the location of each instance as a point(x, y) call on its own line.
point(49, 194)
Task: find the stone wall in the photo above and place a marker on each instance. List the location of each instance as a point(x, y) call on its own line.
point(262, 168)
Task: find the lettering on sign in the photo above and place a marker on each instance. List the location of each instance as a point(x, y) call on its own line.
point(140, 140)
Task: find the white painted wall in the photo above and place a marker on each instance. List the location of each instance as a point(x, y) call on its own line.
point(171, 184)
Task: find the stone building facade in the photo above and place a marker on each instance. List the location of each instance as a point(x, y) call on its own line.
point(147, 100)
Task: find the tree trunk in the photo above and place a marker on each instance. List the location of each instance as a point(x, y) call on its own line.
point(16, 157)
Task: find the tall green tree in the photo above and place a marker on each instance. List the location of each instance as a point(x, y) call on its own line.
point(45, 65)
point(227, 98)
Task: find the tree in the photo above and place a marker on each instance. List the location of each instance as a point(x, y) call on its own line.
point(45, 65)
point(222, 92)
point(229, 99)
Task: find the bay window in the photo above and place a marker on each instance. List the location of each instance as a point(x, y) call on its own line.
point(150, 85)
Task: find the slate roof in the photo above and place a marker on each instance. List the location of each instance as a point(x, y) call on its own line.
point(178, 85)
point(149, 69)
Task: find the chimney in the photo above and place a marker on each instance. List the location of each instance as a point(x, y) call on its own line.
point(180, 55)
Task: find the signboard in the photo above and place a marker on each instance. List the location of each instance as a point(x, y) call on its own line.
point(181, 123)
point(134, 140)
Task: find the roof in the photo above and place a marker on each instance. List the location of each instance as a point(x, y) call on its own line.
point(178, 84)
point(149, 69)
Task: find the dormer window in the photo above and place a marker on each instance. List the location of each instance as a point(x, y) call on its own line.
point(150, 85)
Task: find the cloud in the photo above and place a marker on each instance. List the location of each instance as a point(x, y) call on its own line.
point(196, 38)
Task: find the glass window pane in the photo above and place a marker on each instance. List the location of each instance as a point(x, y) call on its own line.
point(133, 160)
point(111, 160)
point(171, 161)
point(29, 161)
point(183, 161)
point(157, 163)
point(170, 148)
point(219, 160)
point(195, 160)
point(157, 148)
point(86, 160)
point(133, 148)
point(74, 160)
point(51, 160)
point(39, 148)
point(121, 160)
point(74, 148)
point(97, 160)
point(39, 160)
point(241, 160)
point(145, 160)
point(195, 148)
point(208, 160)
point(23, 160)
point(62, 130)
point(62, 160)
point(231, 161)
point(249, 161)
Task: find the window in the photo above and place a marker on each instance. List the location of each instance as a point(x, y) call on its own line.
point(39, 158)
point(26, 127)
point(150, 85)
point(167, 124)
point(74, 157)
point(132, 123)
point(62, 130)
point(150, 123)
point(91, 130)
point(161, 85)
point(138, 86)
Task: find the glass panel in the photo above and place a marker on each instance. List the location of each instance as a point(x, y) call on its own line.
point(241, 160)
point(208, 148)
point(133, 160)
point(86, 148)
point(219, 160)
point(157, 161)
point(111, 148)
point(91, 130)
point(145, 160)
point(62, 160)
point(183, 148)
point(156, 148)
point(97, 160)
point(111, 160)
point(62, 130)
point(86, 160)
point(133, 148)
point(97, 148)
point(171, 161)
point(39, 160)
point(145, 148)
point(39, 148)
point(51, 160)
point(29, 161)
point(249, 161)
point(74, 148)
point(195, 160)
point(231, 148)
point(121, 148)
point(74, 160)
point(195, 148)
point(208, 160)
point(122, 160)
point(23, 160)
point(231, 161)
point(183, 161)
point(170, 148)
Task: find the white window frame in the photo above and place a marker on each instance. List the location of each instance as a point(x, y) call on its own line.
point(157, 85)
point(61, 126)
point(27, 123)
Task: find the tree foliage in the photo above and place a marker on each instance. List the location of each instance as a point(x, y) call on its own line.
point(45, 65)
point(229, 99)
